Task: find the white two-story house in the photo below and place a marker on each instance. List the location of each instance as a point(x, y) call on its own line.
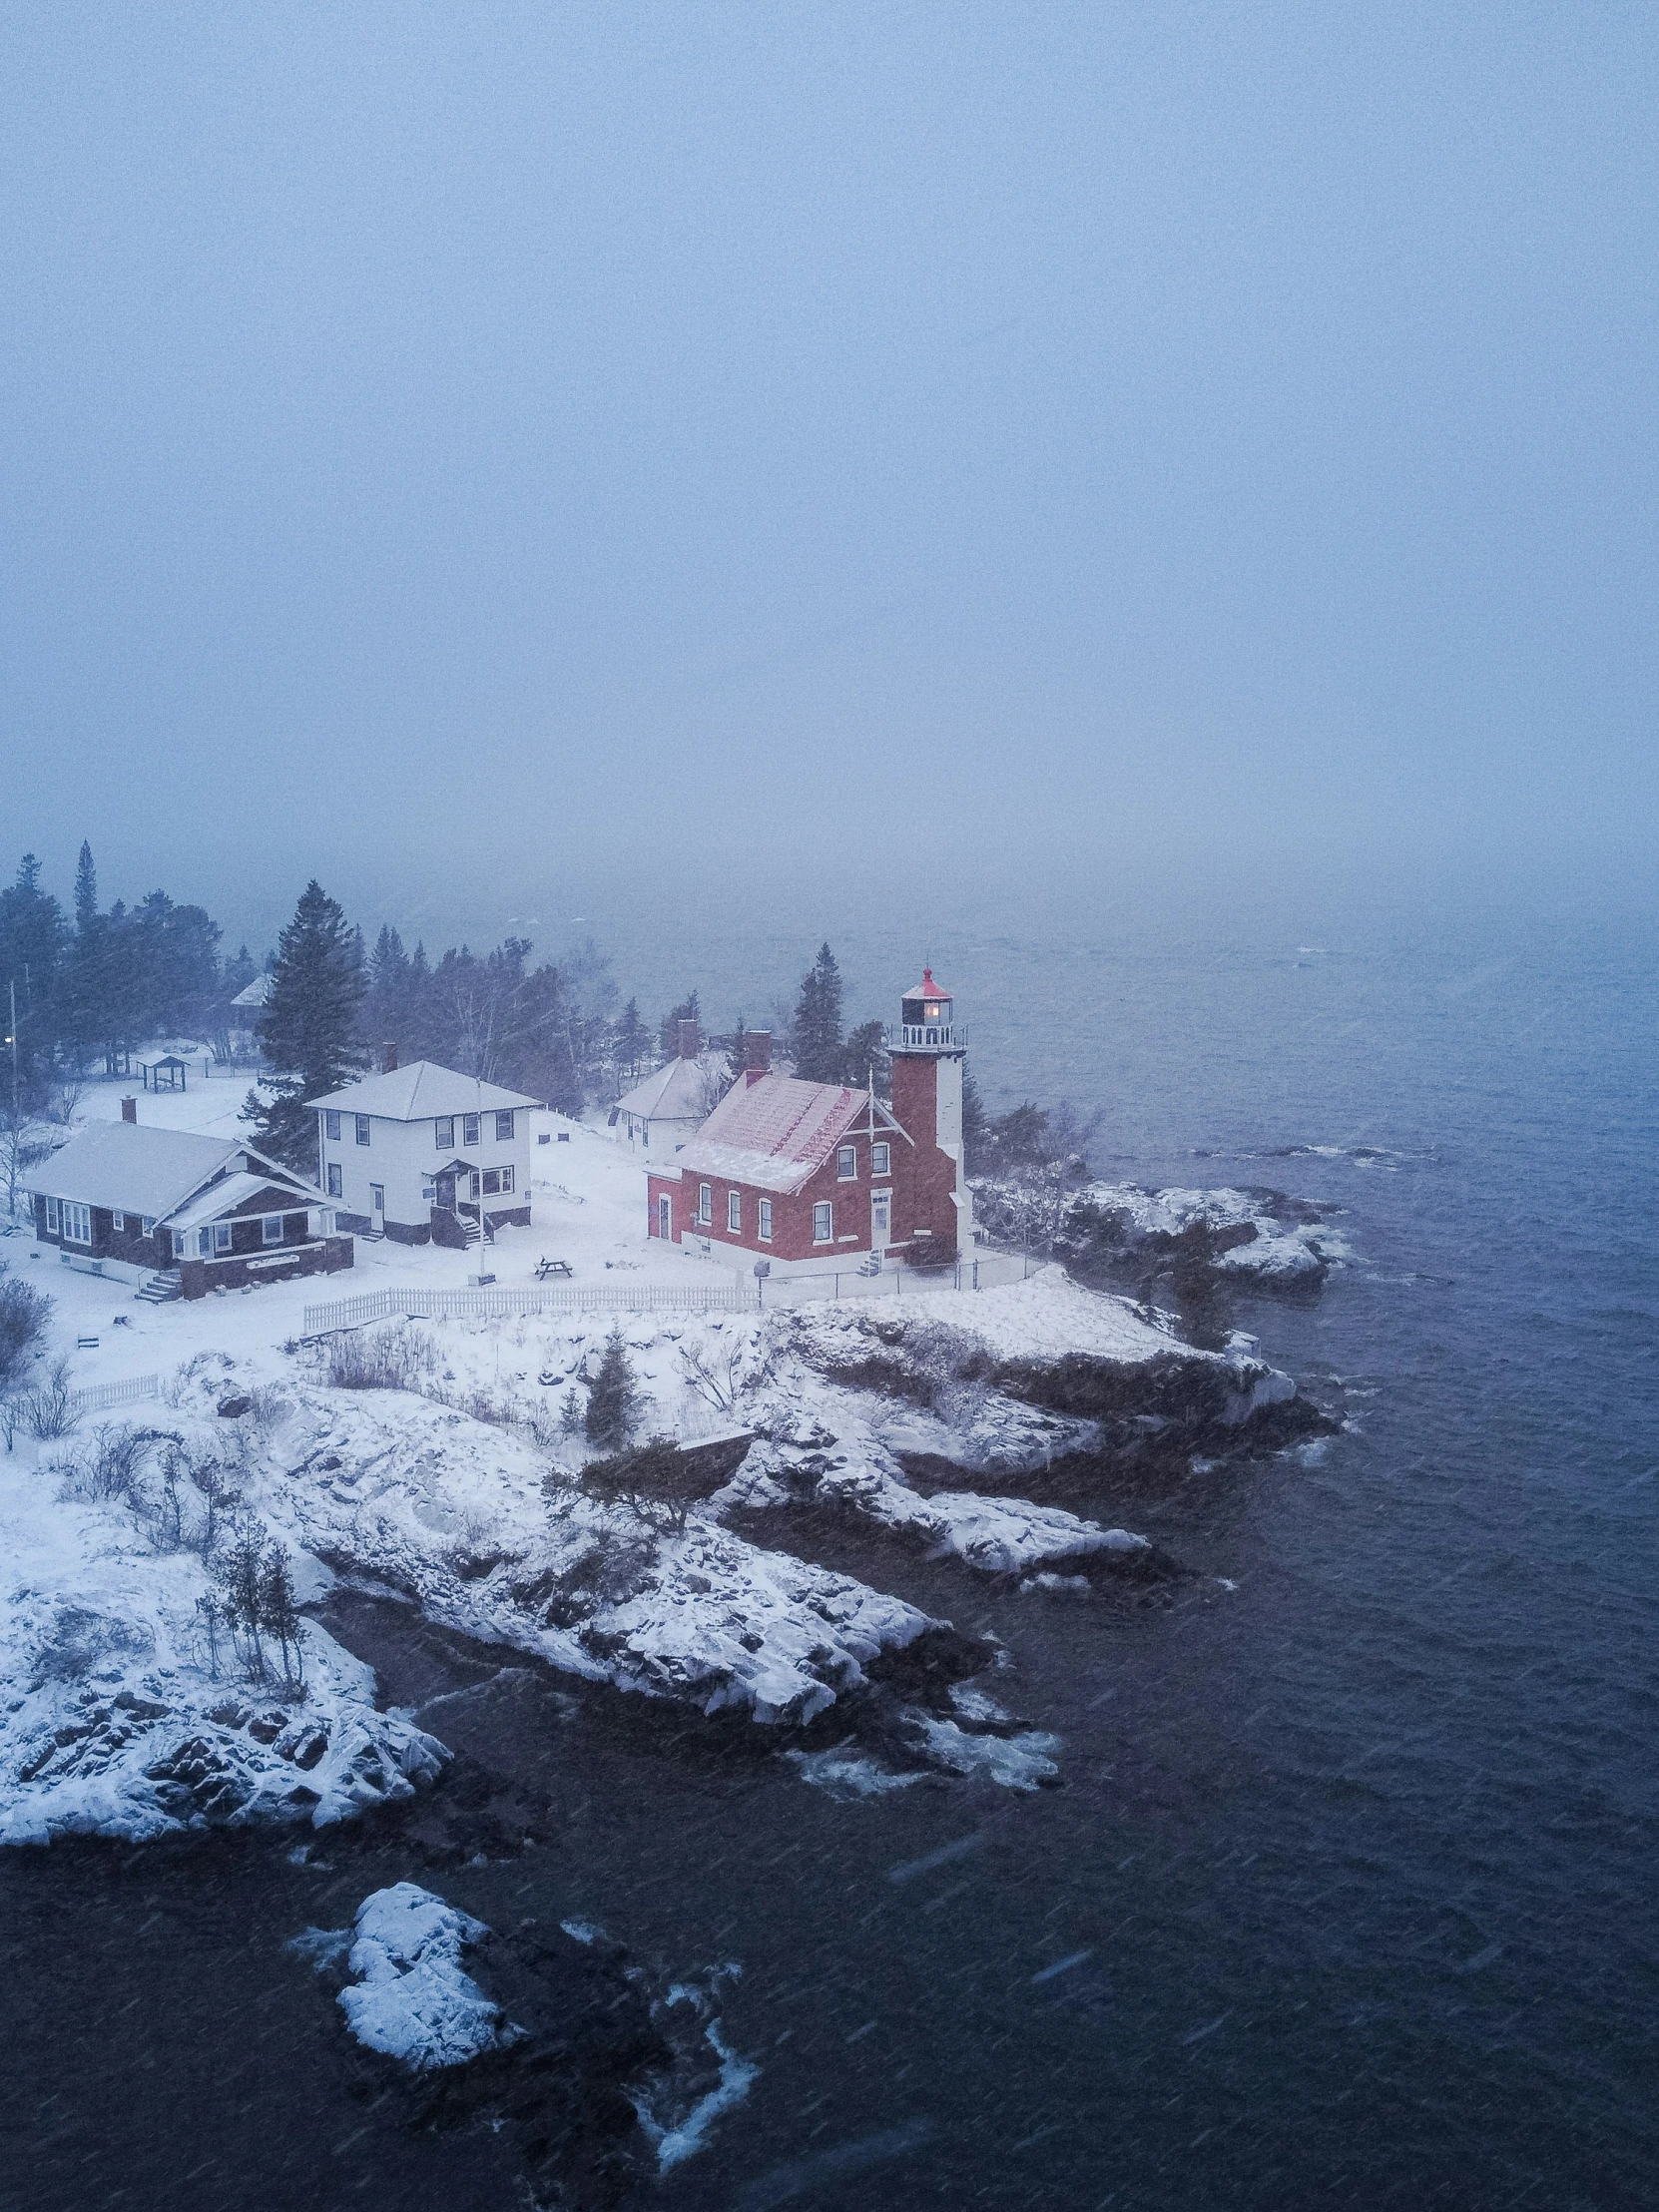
point(413, 1153)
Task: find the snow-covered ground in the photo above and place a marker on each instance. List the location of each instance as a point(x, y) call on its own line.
point(120, 1712)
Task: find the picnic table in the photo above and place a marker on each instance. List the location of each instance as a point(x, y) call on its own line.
point(546, 1266)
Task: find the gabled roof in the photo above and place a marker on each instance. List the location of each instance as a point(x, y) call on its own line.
point(225, 1197)
point(421, 1092)
point(131, 1168)
point(677, 1091)
point(255, 993)
point(775, 1133)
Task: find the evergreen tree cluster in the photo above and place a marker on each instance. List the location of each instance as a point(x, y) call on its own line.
point(108, 980)
point(821, 1054)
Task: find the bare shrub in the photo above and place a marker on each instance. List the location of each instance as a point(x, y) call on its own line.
point(613, 1566)
point(396, 1359)
point(81, 1640)
point(49, 1408)
point(108, 1464)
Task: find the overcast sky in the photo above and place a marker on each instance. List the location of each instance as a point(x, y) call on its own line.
point(476, 447)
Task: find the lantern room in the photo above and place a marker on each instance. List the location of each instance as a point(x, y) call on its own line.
point(928, 1019)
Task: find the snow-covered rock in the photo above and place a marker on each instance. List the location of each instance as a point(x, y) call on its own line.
point(112, 1719)
point(412, 1999)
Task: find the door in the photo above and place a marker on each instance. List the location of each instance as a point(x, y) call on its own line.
point(378, 1209)
point(881, 1220)
point(664, 1219)
point(446, 1192)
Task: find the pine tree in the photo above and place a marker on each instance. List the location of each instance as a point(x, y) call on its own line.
point(689, 1008)
point(86, 891)
point(614, 1401)
point(976, 1125)
point(816, 1037)
point(633, 1042)
point(308, 1025)
point(279, 1607)
point(864, 1057)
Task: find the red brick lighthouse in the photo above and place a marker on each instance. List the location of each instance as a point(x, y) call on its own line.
point(929, 1050)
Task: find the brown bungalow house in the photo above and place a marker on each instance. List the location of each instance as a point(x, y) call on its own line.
point(181, 1214)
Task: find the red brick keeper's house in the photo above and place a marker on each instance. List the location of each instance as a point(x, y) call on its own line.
point(802, 1173)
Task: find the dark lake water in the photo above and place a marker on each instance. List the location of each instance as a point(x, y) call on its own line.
point(1351, 1879)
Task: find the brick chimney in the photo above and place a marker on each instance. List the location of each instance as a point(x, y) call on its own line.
point(388, 1060)
point(129, 1109)
point(757, 1055)
point(689, 1042)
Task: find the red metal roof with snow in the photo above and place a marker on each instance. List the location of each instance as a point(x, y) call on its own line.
point(775, 1133)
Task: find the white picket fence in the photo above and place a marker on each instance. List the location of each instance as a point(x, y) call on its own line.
point(499, 1303)
point(99, 1397)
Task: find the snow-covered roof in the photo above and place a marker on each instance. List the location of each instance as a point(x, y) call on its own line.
point(421, 1092)
point(225, 1197)
point(255, 993)
point(679, 1090)
point(133, 1168)
point(775, 1134)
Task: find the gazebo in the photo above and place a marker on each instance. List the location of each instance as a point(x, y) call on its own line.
point(170, 1073)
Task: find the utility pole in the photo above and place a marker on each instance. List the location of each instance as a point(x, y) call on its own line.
point(17, 1126)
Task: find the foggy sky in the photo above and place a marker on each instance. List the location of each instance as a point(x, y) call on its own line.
point(461, 450)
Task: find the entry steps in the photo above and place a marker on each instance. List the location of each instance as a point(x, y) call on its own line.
point(160, 1289)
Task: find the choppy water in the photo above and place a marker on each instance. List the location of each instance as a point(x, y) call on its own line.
point(1349, 1896)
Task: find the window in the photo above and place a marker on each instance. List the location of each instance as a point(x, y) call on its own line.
point(470, 1129)
point(149, 1223)
point(222, 1236)
point(445, 1127)
point(824, 1226)
point(504, 1127)
point(428, 1190)
point(336, 1181)
point(271, 1229)
point(847, 1163)
point(330, 1127)
point(880, 1159)
point(506, 1179)
point(492, 1182)
point(765, 1221)
point(704, 1204)
point(363, 1128)
point(118, 1221)
point(51, 1217)
point(472, 1184)
point(77, 1222)
point(733, 1212)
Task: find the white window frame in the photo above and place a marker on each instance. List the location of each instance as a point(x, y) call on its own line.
point(148, 1225)
point(470, 1129)
point(77, 1221)
point(764, 1231)
point(117, 1223)
point(507, 1181)
point(733, 1212)
point(847, 1163)
point(336, 1180)
point(362, 1130)
point(443, 1128)
point(705, 1206)
point(268, 1223)
point(824, 1212)
point(880, 1159)
point(504, 1126)
point(53, 1228)
point(330, 1125)
point(492, 1182)
point(221, 1237)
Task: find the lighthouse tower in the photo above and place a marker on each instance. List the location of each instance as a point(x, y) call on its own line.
point(927, 1051)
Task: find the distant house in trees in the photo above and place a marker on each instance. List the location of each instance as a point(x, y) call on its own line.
point(130, 1201)
point(806, 1174)
point(666, 1108)
point(413, 1153)
point(243, 1019)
